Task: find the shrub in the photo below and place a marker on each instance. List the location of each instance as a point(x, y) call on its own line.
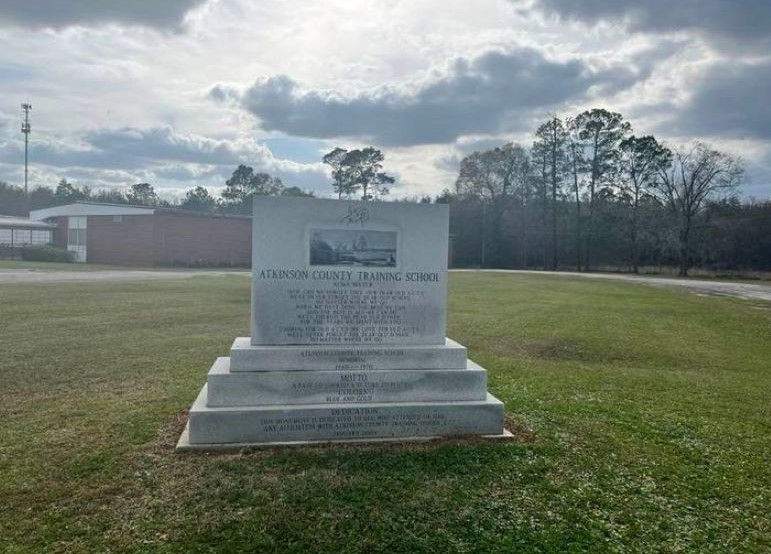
point(46, 254)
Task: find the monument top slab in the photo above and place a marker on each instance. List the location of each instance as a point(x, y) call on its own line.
point(338, 272)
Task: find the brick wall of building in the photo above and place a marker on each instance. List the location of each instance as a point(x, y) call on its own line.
point(164, 239)
point(60, 234)
point(126, 239)
point(193, 240)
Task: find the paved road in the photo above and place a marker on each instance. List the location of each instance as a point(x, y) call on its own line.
point(747, 291)
point(36, 276)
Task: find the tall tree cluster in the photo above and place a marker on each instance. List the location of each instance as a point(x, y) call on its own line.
point(358, 172)
point(588, 193)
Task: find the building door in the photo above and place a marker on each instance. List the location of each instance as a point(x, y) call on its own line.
point(76, 237)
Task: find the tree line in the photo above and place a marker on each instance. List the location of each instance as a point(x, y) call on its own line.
point(353, 172)
point(589, 193)
point(586, 194)
point(234, 198)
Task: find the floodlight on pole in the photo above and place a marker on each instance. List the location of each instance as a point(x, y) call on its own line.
point(26, 128)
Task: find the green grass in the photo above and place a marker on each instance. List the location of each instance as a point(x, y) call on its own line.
point(60, 266)
point(56, 266)
point(643, 421)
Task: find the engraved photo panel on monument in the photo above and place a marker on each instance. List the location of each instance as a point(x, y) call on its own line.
point(353, 247)
point(335, 272)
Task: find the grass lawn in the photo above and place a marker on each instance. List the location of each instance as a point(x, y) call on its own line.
point(643, 419)
point(56, 266)
point(60, 266)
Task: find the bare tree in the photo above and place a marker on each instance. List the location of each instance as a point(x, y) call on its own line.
point(696, 174)
point(642, 158)
point(487, 174)
point(494, 176)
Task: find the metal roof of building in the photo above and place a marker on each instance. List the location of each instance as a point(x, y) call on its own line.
point(90, 208)
point(9, 222)
point(84, 207)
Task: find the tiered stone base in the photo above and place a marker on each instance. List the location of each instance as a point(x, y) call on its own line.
point(246, 357)
point(184, 444)
point(378, 396)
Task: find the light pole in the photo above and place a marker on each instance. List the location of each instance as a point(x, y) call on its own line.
point(26, 128)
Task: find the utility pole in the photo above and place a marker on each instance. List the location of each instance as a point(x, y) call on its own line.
point(26, 128)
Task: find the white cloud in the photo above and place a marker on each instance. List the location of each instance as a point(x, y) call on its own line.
point(159, 155)
point(47, 13)
point(496, 91)
point(745, 21)
point(117, 97)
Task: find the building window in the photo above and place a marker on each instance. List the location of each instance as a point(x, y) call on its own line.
point(22, 237)
point(77, 222)
point(76, 237)
point(41, 237)
point(117, 218)
point(76, 231)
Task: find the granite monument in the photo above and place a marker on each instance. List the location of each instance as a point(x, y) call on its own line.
point(348, 338)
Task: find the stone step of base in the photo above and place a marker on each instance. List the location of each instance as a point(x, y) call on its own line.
point(228, 388)
point(276, 424)
point(184, 445)
point(246, 357)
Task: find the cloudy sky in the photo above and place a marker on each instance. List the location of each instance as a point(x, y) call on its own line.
point(179, 92)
